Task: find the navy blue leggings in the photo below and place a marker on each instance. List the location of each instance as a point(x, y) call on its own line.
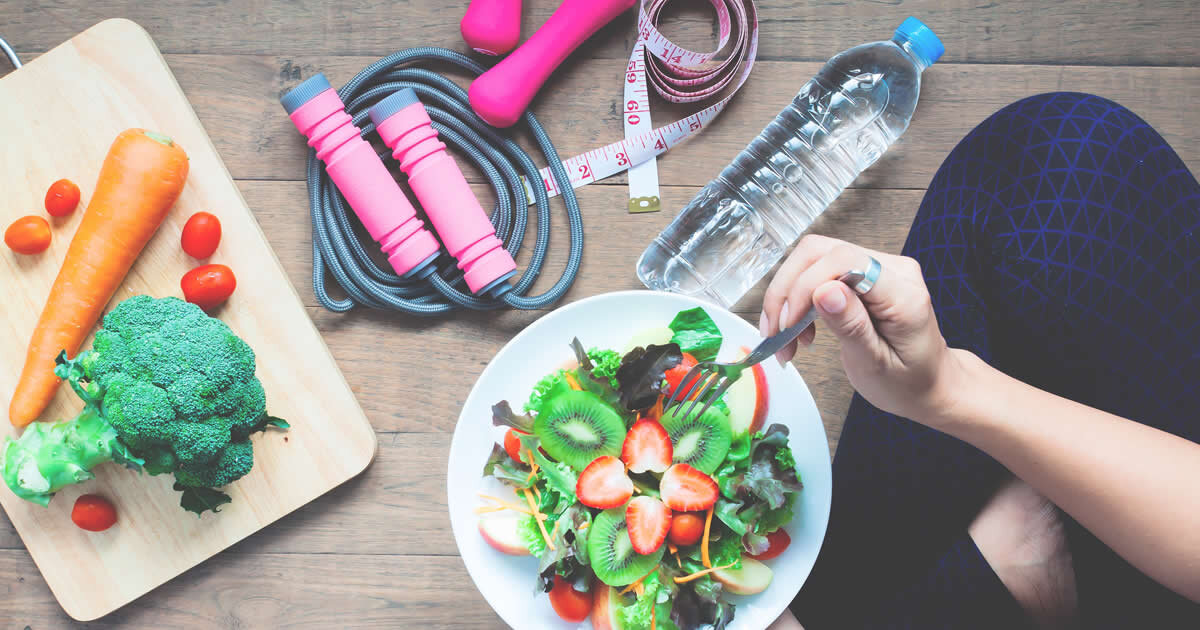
point(1061, 243)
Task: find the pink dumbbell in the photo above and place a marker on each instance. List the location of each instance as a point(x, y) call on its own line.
point(434, 176)
point(492, 27)
point(319, 114)
point(503, 93)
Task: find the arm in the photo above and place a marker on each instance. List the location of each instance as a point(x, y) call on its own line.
point(1132, 486)
point(1135, 487)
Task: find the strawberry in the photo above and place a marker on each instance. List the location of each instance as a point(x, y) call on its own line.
point(604, 484)
point(648, 521)
point(685, 489)
point(647, 447)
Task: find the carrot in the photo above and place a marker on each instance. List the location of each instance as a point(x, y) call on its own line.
point(142, 176)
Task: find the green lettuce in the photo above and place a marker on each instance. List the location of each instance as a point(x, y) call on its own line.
point(696, 334)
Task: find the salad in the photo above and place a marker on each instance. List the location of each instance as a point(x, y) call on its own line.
point(640, 518)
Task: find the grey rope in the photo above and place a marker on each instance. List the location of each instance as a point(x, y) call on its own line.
point(339, 253)
point(10, 53)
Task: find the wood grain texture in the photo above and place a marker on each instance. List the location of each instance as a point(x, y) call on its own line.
point(377, 551)
point(118, 80)
point(237, 98)
point(1073, 32)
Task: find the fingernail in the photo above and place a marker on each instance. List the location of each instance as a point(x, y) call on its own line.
point(762, 324)
point(832, 302)
point(783, 313)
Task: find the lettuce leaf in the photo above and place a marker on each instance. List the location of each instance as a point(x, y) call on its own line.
point(528, 530)
point(696, 334)
point(506, 469)
point(637, 614)
point(642, 374)
point(504, 416)
point(758, 491)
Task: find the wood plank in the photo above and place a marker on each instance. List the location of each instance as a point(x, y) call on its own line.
point(237, 99)
point(1043, 31)
point(245, 589)
point(613, 239)
point(48, 137)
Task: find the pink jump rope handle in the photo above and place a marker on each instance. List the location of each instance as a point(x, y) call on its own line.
point(357, 171)
point(451, 206)
point(503, 93)
point(492, 27)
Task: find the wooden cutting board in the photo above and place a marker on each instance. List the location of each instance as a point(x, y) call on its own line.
point(58, 116)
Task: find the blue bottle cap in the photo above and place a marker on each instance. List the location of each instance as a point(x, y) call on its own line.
point(925, 43)
point(384, 109)
point(304, 92)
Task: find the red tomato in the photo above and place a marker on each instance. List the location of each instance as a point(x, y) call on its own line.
point(208, 286)
point(28, 235)
point(572, 605)
point(93, 513)
point(686, 529)
point(62, 198)
point(778, 542)
point(675, 375)
point(512, 444)
point(201, 235)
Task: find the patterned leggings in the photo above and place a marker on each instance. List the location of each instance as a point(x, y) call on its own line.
point(1061, 243)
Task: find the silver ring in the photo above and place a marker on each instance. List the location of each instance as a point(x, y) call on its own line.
point(8, 52)
point(868, 278)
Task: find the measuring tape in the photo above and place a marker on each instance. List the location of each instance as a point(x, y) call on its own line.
point(679, 76)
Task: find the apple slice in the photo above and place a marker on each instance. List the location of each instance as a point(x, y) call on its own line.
point(754, 577)
point(499, 529)
point(651, 336)
point(747, 400)
point(603, 615)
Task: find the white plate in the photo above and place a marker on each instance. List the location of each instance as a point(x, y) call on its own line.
point(608, 321)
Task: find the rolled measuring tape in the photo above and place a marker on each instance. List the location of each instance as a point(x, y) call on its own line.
point(678, 75)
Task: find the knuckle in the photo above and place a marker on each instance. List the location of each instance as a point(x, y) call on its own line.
point(912, 267)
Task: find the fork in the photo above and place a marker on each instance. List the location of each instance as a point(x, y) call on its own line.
point(717, 377)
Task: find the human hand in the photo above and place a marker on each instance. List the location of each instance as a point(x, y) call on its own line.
point(892, 349)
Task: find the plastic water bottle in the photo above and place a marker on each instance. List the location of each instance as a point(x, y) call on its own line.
point(840, 123)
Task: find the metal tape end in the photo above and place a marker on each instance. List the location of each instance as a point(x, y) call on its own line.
point(640, 205)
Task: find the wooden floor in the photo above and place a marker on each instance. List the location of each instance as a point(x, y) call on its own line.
point(378, 551)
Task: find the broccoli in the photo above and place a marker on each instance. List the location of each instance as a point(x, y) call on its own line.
point(167, 389)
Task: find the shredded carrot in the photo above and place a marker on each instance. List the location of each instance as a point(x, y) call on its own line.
point(656, 411)
point(672, 548)
point(572, 382)
point(584, 526)
point(654, 618)
point(539, 517)
point(638, 582)
point(502, 504)
point(537, 492)
point(699, 574)
point(704, 543)
point(485, 509)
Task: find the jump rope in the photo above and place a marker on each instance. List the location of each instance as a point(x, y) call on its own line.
point(417, 112)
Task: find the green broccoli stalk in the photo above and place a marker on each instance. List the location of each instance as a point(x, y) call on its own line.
point(167, 389)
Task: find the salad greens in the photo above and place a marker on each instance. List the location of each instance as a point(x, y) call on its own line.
point(696, 334)
point(756, 485)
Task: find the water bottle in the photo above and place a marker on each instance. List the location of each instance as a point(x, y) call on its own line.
point(840, 123)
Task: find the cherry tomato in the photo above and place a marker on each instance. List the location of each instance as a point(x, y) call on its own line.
point(512, 444)
point(572, 605)
point(28, 235)
point(675, 375)
point(686, 529)
point(208, 286)
point(62, 198)
point(93, 513)
point(777, 542)
point(201, 235)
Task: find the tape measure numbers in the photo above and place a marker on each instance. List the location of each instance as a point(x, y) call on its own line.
point(678, 75)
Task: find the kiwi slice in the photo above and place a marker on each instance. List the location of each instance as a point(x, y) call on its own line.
point(577, 427)
point(611, 553)
point(699, 440)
